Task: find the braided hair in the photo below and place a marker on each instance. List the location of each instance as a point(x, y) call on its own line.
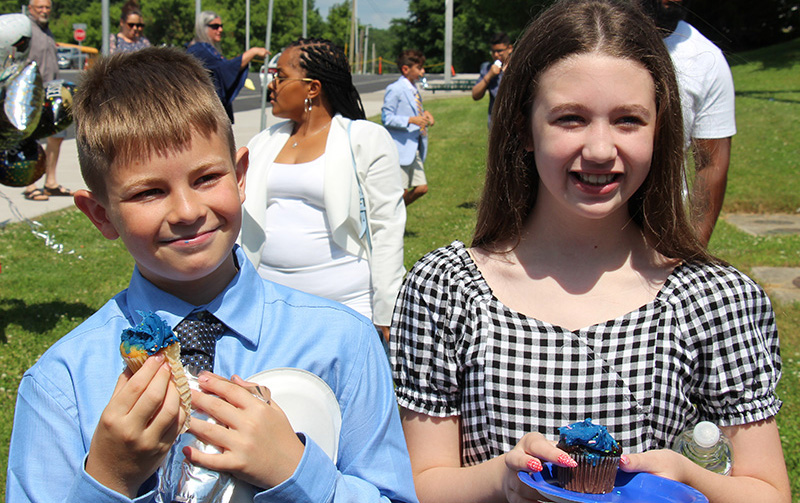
point(325, 61)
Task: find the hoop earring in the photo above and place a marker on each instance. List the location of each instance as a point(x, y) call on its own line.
point(307, 105)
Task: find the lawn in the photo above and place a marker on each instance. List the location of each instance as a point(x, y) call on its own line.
point(45, 293)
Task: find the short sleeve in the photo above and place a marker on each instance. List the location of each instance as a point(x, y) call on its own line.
point(423, 355)
point(739, 360)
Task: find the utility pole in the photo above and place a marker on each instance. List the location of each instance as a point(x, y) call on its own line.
point(266, 70)
point(448, 39)
point(247, 26)
point(305, 18)
point(198, 8)
point(364, 58)
point(106, 28)
point(353, 30)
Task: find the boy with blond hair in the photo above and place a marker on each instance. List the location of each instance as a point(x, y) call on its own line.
point(157, 153)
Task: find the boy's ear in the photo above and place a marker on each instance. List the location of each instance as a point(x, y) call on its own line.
point(404, 69)
point(242, 163)
point(96, 211)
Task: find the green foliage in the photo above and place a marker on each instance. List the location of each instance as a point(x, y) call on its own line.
point(743, 25)
point(737, 25)
point(474, 23)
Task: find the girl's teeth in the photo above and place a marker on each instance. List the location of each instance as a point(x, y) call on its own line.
point(595, 179)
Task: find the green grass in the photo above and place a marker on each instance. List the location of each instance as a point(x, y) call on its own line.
point(44, 294)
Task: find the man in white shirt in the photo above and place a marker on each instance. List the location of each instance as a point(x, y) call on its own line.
point(707, 99)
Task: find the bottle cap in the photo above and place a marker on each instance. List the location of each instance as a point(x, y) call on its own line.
point(705, 434)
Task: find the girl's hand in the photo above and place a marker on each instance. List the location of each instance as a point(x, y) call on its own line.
point(662, 462)
point(257, 443)
point(528, 455)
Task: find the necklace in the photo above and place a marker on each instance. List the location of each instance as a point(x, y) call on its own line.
point(294, 145)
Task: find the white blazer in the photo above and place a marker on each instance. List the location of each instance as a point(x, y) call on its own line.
point(379, 172)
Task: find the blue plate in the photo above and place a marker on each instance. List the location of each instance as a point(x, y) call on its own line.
point(628, 488)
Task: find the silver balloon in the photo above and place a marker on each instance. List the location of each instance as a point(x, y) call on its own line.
point(22, 165)
point(56, 110)
point(22, 98)
point(15, 37)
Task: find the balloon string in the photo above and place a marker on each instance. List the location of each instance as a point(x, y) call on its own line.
point(36, 228)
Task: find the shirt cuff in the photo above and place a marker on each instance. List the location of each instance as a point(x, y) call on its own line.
point(313, 481)
point(86, 488)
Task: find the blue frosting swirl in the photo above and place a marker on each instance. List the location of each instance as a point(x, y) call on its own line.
point(152, 334)
point(590, 436)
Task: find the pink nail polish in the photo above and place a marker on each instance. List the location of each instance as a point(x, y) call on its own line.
point(567, 461)
point(624, 460)
point(534, 465)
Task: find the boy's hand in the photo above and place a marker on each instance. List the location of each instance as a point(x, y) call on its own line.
point(429, 117)
point(257, 443)
point(419, 120)
point(137, 428)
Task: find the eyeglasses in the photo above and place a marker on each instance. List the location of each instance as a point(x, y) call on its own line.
point(215, 26)
point(135, 25)
point(277, 79)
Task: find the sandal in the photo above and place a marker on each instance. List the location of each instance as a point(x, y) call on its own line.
point(58, 190)
point(36, 194)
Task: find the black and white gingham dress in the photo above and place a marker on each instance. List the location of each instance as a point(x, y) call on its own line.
point(705, 348)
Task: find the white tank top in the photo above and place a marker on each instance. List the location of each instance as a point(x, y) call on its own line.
point(299, 250)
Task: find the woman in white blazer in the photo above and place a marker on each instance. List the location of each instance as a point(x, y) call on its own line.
point(308, 180)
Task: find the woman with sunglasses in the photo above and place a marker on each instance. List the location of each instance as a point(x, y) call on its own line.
point(324, 210)
point(228, 74)
point(131, 29)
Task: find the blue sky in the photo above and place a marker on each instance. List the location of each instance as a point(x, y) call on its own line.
point(377, 13)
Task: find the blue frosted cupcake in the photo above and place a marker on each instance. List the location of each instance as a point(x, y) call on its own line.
point(596, 453)
point(150, 337)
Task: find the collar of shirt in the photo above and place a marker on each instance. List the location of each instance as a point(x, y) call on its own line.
point(240, 306)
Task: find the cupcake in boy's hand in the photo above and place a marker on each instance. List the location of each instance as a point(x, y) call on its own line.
point(596, 453)
point(150, 337)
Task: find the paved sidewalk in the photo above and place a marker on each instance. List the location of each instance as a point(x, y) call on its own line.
point(246, 125)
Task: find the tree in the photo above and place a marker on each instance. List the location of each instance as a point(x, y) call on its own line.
point(474, 23)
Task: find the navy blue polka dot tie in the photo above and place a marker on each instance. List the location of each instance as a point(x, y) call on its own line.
point(198, 334)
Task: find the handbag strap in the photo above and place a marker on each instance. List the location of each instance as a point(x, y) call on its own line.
point(362, 205)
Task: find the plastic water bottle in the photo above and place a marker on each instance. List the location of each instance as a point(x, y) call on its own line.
point(707, 446)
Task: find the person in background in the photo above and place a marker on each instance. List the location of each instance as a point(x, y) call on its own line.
point(43, 51)
point(131, 29)
point(228, 74)
point(708, 103)
point(408, 122)
point(492, 71)
point(324, 211)
point(586, 292)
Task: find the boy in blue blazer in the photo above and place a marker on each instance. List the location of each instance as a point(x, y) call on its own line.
point(402, 114)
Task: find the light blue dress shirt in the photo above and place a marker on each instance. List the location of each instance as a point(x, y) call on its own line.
point(61, 397)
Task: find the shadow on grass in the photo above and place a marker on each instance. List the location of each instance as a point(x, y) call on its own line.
point(469, 205)
point(781, 56)
point(38, 318)
point(770, 96)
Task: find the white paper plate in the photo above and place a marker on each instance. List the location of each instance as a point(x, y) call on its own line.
point(310, 406)
point(308, 402)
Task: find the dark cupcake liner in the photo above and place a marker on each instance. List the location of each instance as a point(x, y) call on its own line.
point(593, 475)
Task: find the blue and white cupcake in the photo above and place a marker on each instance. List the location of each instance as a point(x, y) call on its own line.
point(597, 455)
